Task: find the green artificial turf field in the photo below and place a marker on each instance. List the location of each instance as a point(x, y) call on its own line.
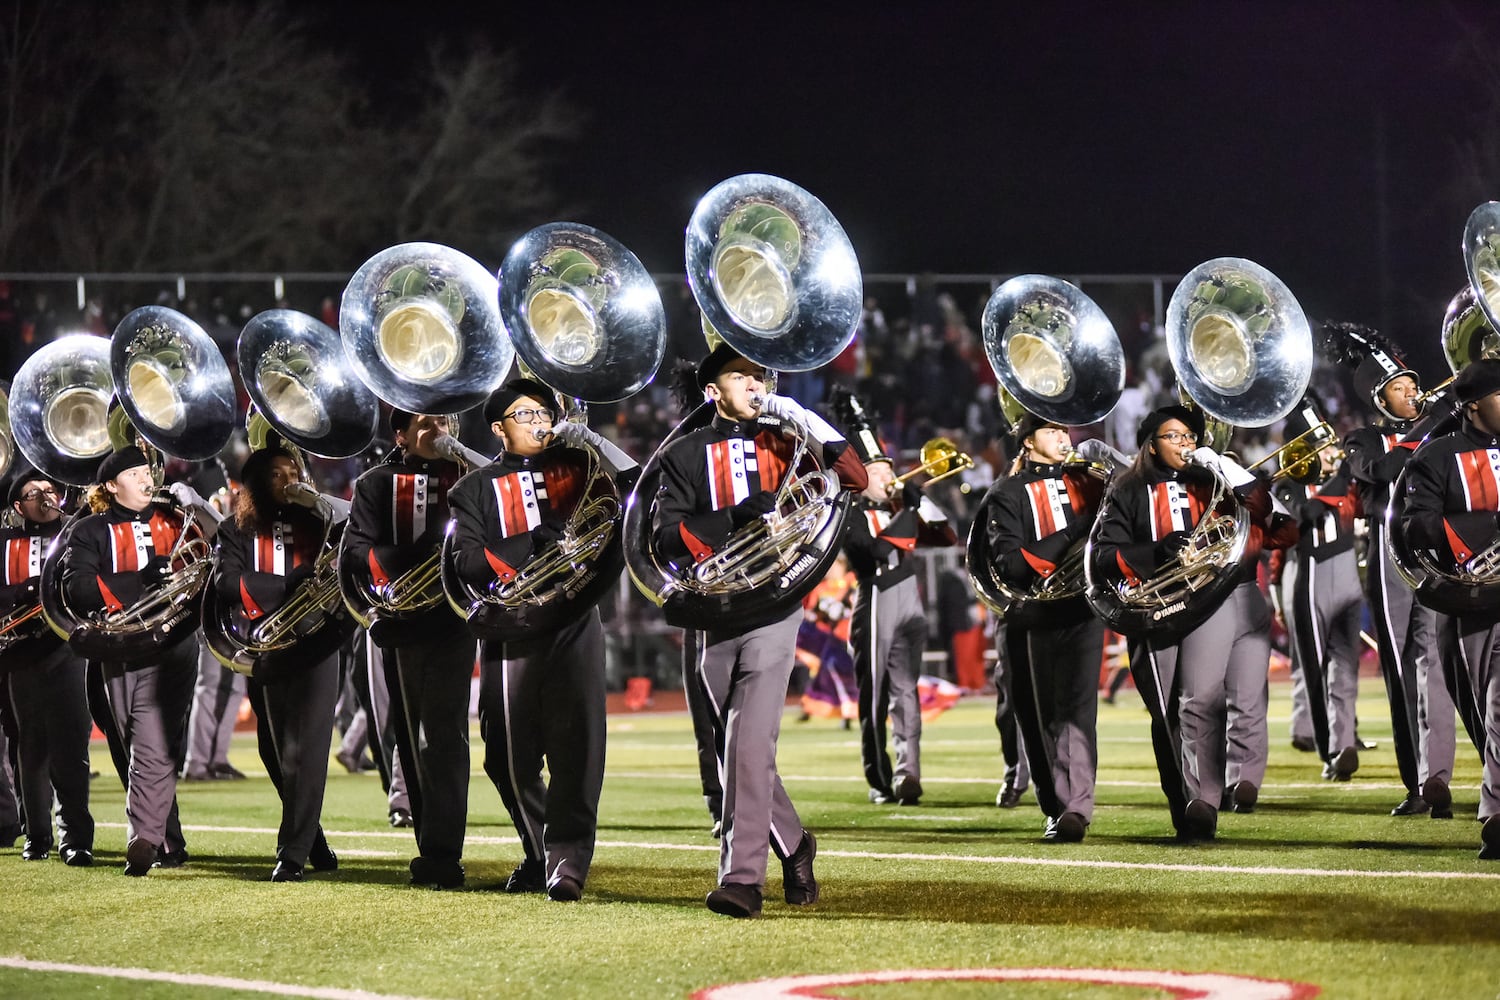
point(1319, 886)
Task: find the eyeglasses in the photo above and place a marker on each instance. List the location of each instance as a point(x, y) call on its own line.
point(1175, 436)
point(32, 496)
point(526, 415)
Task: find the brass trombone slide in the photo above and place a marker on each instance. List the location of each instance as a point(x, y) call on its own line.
point(1298, 456)
point(940, 459)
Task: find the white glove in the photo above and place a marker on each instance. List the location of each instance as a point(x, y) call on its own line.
point(576, 435)
point(186, 496)
point(788, 409)
point(1233, 473)
point(1205, 457)
point(1097, 450)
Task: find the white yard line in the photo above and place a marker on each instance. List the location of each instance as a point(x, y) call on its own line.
point(195, 979)
point(976, 859)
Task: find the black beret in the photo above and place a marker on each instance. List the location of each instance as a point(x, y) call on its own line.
point(117, 462)
point(28, 475)
point(400, 420)
point(717, 360)
point(1191, 416)
point(501, 398)
point(1030, 423)
point(1477, 380)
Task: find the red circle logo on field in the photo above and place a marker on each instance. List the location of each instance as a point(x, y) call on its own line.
point(1186, 985)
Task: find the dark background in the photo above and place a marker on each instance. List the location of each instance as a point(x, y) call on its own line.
point(1331, 142)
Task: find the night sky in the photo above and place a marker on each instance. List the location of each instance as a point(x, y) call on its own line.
point(1320, 139)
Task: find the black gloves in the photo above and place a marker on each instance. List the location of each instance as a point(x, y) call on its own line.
point(545, 534)
point(296, 576)
point(911, 496)
point(754, 506)
point(1171, 545)
point(156, 571)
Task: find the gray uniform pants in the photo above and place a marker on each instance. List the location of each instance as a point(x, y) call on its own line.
point(216, 705)
point(887, 636)
point(703, 724)
point(544, 701)
point(1056, 688)
point(745, 678)
point(1471, 651)
point(52, 716)
point(150, 705)
point(1301, 721)
point(1207, 697)
point(299, 719)
point(1327, 606)
point(388, 724)
point(1012, 743)
point(1406, 635)
point(435, 678)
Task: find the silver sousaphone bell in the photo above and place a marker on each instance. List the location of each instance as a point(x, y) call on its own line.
point(299, 378)
point(773, 272)
point(173, 383)
point(59, 407)
point(1053, 349)
point(421, 326)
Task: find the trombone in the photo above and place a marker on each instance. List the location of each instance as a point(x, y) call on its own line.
point(1297, 459)
point(940, 459)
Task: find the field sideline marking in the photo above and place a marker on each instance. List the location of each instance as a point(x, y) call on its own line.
point(197, 979)
point(978, 859)
point(857, 779)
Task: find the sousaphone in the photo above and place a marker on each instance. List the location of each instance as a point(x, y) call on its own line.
point(586, 319)
point(1055, 354)
point(1243, 352)
point(777, 278)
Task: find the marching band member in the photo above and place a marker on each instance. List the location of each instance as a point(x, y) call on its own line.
point(46, 680)
point(117, 553)
point(889, 629)
point(714, 480)
point(1326, 603)
point(1193, 685)
point(1422, 727)
point(397, 521)
point(1036, 516)
point(266, 554)
point(541, 699)
point(1452, 499)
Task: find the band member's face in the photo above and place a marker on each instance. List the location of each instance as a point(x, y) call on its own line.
point(132, 488)
point(1050, 445)
point(1172, 443)
point(283, 473)
point(1400, 395)
point(525, 439)
point(881, 478)
point(1485, 413)
point(424, 429)
point(38, 502)
point(735, 390)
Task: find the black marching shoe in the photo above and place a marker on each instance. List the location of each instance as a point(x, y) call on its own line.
point(320, 858)
point(1489, 837)
point(140, 857)
point(1200, 822)
point(171, 859)
point(36, 851)
point(1010, 796)
point(735, 900)
point(1243, 797)
point(401, 818)
point(1412, 805)
point(286, 871)
point(225, 772)
point(1071, 828)
point(1435, 792)
point(798, 884)
point(437, 874)
point(529, 876)
point(1344, 764)
point(76, 857)
point(1304, 744)
point(565, 889)
point(906, 790)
